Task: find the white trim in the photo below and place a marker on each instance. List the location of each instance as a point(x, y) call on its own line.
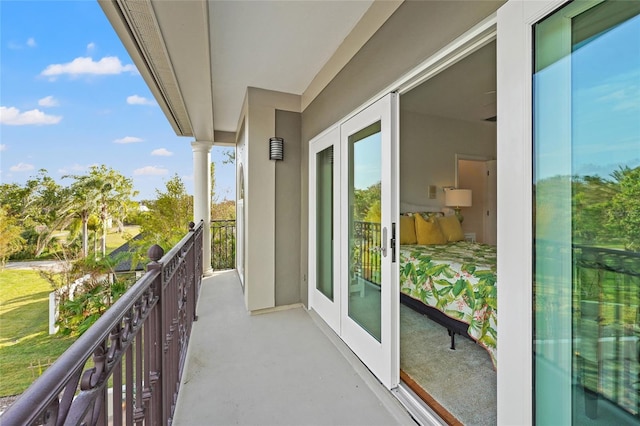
point(472, 40)
point(515, 230)
point(514, 377)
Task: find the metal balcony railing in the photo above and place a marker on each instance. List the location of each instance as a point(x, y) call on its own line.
point(365, 250)
point(607, 324)
point(587, 303)
point(127, 367)
point(223, 244)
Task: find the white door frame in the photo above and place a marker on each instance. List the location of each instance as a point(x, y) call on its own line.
point(515, 231)
point(382, 358)
point(329, 310)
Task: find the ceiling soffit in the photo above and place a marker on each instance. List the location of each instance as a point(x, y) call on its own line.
point(143, 39)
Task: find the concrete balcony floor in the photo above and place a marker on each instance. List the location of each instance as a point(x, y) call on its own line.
point(279, 368)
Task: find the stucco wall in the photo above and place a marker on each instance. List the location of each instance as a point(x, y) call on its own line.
point(287, 220)
point(259, 116)
point(413, 33)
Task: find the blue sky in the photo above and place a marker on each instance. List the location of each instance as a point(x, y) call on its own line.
point(605, 106)
point(71, 97)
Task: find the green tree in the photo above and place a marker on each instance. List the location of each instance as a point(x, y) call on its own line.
point(224, 210)
point(99, 287)
point(167, 220)
point(84, 198)
point(105, 192)
point(10, 240)
point(591, 201)
point(40, 207)
point(364, 200)
point(624, 215)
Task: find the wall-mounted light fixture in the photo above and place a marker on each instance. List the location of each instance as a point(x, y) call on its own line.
point(276, 148)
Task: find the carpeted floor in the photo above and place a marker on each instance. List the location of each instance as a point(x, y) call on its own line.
point(463, 381)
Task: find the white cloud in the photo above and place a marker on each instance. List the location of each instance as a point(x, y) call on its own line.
point(79, 66)
point(22, 167)
point(128, 139)
point(13, 117)
point(150, 171)
point(49, 101)
point(91, 46)
point(162, 152)
point(3, 147)
point(139, 100)
point(31, 42)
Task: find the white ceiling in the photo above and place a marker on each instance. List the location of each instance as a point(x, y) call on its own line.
point(464, 91)
point(275, 45)
point(198, 57)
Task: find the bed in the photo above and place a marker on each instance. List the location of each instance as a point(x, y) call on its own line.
point(452, 281)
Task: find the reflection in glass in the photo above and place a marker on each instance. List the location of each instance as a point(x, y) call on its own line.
point(587, 215)
point(324, 222)
point(365, 176)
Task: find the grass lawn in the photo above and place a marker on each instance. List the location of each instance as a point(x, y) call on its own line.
point(115, 239)
point(24, 330)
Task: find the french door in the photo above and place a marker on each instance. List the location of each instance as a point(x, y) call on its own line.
point(354, 208)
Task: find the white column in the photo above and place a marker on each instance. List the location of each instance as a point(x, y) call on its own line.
point(202, 197)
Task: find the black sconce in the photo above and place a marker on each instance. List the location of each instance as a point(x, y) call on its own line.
point(276, 148)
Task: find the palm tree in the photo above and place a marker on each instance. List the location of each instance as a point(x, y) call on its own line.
point(84, 196)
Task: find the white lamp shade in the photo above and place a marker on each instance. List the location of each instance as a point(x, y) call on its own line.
point(458, 198)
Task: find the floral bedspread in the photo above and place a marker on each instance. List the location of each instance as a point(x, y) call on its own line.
point(459, 279)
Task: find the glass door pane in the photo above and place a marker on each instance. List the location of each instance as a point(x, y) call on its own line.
point(324, 210)
point(324, 222)
point(365, 178)
point(586, 121)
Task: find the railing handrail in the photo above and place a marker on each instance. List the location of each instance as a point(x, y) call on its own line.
point(36, 398)
point(70, 366)
point(223, 243)
point(604, 250)
point(222, 220)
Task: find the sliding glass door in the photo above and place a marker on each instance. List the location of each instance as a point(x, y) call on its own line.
point(586, 135)
point(569, 140)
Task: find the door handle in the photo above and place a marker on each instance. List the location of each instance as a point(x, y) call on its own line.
point(384, 242)
point(393, 243)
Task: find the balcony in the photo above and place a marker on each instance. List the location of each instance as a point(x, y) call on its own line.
point(162, 361)
point(281, 367)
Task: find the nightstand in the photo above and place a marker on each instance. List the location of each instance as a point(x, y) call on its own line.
point(470, 237)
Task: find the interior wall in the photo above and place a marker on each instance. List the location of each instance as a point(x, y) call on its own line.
point(471, 175)
point(428, 148)
point(287, 251)
point(416, 31)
